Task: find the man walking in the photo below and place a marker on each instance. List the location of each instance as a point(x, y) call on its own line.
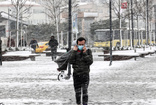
point(81, 59)
point(33, 44)
point(53, 44)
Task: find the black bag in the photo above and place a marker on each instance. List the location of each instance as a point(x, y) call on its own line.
point(62, 61)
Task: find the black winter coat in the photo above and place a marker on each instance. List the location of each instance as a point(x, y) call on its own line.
point(33, 44)
point(81, 61)
point(53, 43)
point(22, 43)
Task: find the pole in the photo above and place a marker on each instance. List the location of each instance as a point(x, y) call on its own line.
point(120, 23)
point(150, 34)
point(138, 36)
point(147, 31)
point(9, 27)
point(141, 38)
point(62, 39)
point(132, 23)
point(67, 38)
point(110, 10)
point(22, 42)
point(113, 34)
point(26, 33)
point(69, 34)
point(155, 22)
point(0, 51)
point(17, 25)
point(57, 29)
point(70, 26)
point(129, 33)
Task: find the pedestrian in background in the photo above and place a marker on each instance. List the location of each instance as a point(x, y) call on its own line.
point(53, 44)
point(10, 42)
point(81, 59)
point(33, 44)
point(22, 43)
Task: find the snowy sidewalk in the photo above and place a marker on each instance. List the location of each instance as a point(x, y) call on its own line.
point(35, 83)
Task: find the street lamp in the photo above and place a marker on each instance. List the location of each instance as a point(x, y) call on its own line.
point(69, 34)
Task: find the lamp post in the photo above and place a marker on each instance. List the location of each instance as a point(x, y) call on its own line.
point(69, 34)
point(132, 23)
point(110, 10)
point(70, 25)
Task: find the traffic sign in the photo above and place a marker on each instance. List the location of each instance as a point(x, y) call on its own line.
point(124, 5)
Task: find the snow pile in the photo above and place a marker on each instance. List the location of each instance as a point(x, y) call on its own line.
point(20, 53)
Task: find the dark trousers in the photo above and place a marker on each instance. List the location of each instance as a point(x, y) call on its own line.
point(53, 53)
point(34, 47)
point(81, 83)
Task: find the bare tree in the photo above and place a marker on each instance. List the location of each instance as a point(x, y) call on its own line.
point(53, 9)
point(116, 8)
point(139, 10)
point(22, 10)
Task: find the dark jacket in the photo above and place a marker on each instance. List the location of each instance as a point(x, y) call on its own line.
point(81, 61)
point(23, 42)
point(33, 44)
point(53, 43)
point(12, 43)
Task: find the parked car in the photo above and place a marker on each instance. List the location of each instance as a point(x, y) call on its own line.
point(42, 46)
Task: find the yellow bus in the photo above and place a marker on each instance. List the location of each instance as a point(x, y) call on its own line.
point(102, 38)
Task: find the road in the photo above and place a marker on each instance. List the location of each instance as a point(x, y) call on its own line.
point(35, 83)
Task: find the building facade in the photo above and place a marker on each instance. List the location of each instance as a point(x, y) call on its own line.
point(35, 15)
point(87, 13)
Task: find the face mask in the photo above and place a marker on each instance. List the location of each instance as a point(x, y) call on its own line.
point(80, 47)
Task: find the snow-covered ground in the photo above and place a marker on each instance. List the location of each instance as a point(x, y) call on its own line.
point(129, 82)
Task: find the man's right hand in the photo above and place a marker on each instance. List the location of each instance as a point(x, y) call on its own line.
point(75, 48)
